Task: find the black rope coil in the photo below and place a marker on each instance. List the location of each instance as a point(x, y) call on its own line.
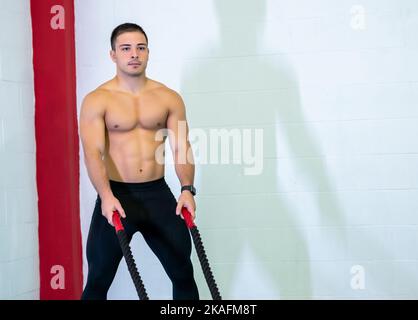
point(200, 250)
point(127, 253)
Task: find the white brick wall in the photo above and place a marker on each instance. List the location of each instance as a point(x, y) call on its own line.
point(19, 258)
point(338, 110)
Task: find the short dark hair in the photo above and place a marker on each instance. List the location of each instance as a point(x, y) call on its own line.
point(125, 27)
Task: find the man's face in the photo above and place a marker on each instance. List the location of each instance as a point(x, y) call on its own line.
point(131, 53)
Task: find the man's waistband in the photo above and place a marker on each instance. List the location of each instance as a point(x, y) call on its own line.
point(121, 186)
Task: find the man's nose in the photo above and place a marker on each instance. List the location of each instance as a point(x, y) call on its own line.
point(135, 54)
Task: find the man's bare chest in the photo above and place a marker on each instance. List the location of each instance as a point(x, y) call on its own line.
point(125, 114)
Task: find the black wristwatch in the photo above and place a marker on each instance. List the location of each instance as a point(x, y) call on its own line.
point(191, 188)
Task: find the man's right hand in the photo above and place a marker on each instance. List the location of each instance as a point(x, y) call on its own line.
point(110, 204)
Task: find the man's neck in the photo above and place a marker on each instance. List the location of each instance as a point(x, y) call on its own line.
point(131, 84)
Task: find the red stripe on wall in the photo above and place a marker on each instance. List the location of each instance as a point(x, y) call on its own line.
point(57, 149)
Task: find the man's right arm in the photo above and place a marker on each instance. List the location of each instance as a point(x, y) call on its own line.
point(92, 132)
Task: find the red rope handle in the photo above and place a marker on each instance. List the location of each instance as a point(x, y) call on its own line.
point(187, 217)
point(117, 222)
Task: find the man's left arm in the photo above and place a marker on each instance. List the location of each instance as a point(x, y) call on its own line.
point(178, 132)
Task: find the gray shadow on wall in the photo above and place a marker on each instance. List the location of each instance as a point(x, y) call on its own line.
point(260, 236)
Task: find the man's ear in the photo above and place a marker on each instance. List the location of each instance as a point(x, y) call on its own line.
point(112, 54)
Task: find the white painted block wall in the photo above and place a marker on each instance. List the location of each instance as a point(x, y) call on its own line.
point(19, 257)
point(334, 88)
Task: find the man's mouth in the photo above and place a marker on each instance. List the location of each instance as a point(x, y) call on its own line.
point(134, 63)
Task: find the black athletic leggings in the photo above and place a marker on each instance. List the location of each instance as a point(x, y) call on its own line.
point(150, 208)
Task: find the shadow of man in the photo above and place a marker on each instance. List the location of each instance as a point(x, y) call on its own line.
point(246, 89)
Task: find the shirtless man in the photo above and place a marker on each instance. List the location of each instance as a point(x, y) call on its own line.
point(118, 125)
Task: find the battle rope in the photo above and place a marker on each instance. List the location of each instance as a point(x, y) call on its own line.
point(127, 253)
point(200, 250)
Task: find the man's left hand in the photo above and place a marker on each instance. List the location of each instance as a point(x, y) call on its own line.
point(186, 199)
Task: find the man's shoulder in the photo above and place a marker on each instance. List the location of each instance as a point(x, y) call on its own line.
point(104, 89)
point(162, 89)
point(96, 100)
point(100, 93)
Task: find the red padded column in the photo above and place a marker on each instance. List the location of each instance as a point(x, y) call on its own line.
point(57, 149)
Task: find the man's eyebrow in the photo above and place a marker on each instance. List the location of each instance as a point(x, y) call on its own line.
point(128, 45)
